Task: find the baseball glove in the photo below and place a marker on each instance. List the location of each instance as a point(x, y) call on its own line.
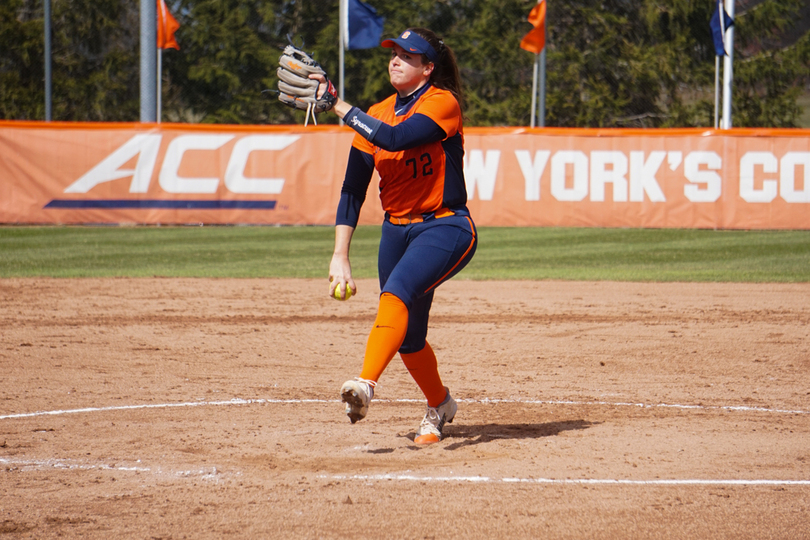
point(295, 87)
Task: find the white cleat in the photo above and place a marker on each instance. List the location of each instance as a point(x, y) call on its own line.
point(357, 394)
point(430, 430)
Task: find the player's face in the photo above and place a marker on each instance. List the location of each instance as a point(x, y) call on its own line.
point(407, 72)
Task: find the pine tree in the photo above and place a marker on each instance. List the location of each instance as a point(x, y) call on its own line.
point(611, 63)
point(770, 69)
point(22, 94)
point(96, 72)
point(95, 60)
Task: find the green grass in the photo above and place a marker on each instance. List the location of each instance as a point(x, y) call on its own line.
point(643, 255)
point(176, 251)
point(503, 253)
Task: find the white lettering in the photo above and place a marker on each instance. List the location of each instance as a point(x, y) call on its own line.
point(787, 188)
point(642, 176)
point(532, 171)
point(361, 125)
point(235, 179)
point(169, 178)
point(481, 172)
point(601, 175)
point(712, 180)
point(769, 186)
point(145, 146)
point(579, 163)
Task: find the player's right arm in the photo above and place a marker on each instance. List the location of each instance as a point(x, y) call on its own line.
point(340, 269)
point(352, 195)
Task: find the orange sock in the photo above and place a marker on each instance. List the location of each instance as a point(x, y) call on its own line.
point(424, 369)
point(386, 337)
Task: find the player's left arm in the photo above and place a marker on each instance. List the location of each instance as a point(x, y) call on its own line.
point(417, 130)
point(436, 118)
point(439, 121)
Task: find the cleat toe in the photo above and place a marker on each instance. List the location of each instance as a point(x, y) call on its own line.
point(429, 438)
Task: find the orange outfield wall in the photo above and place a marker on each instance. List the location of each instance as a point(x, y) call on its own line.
point(71, 173)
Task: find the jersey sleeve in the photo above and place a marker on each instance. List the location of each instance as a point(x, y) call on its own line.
point(443, 109)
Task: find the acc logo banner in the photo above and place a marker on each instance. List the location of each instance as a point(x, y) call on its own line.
point(144, 149)
point(91, 174)
point(121, 173)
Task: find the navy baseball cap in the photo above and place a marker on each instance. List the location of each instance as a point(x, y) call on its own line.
point(413, 42)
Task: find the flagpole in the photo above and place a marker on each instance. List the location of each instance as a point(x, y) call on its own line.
point(159, 83)
point(531, 43)
point(148, 57)
point(542, 115)
point(716, 90)
point(48, 72)
point(542, 104)
point(534, 88)
point(728, 67)
point(343, 13)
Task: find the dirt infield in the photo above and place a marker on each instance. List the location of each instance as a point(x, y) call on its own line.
point(186, 408)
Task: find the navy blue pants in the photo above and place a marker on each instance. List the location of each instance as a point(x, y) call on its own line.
point(414, 259)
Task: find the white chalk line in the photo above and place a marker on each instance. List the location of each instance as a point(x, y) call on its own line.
point(65, 464)
point(234, 401)
point(485, 401)
point(565, 481)
point(213, 474)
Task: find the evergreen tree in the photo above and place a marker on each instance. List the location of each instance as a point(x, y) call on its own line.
point(228, 51)
point(96, 71)
point(22, 93)
point(616, 63)
point(95, 60)
point(770, 70)
point(611, 63)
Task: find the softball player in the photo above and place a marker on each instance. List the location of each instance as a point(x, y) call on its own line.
point(415, 141)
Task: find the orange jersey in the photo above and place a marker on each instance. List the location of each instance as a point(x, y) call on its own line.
point(430, 176)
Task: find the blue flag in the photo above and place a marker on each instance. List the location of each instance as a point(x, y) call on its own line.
point(720, 23)
point(365, 26)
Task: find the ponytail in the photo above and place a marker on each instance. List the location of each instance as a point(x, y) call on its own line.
point(445, 71)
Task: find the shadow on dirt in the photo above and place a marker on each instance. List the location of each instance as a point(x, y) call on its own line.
point(471, 435)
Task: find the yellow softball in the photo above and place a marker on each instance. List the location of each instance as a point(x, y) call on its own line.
point(348, 292)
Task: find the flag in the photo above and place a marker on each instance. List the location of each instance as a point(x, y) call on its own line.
point(167, 25)
point(535, 40)
point(720, 23)
point(364, 27)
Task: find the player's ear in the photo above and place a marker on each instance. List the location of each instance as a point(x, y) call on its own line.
point(428, 69)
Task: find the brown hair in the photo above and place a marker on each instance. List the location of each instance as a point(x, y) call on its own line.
point(445, 71)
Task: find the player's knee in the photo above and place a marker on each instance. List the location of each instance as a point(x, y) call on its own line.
point(412, 344)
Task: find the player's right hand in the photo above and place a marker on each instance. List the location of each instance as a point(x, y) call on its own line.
point(340, 275)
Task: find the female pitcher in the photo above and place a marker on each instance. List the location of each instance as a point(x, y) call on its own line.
point(415, 141)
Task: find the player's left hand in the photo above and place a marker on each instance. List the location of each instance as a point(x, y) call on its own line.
point(303, 83)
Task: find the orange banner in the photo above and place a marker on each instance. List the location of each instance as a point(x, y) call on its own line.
point(72, 173)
